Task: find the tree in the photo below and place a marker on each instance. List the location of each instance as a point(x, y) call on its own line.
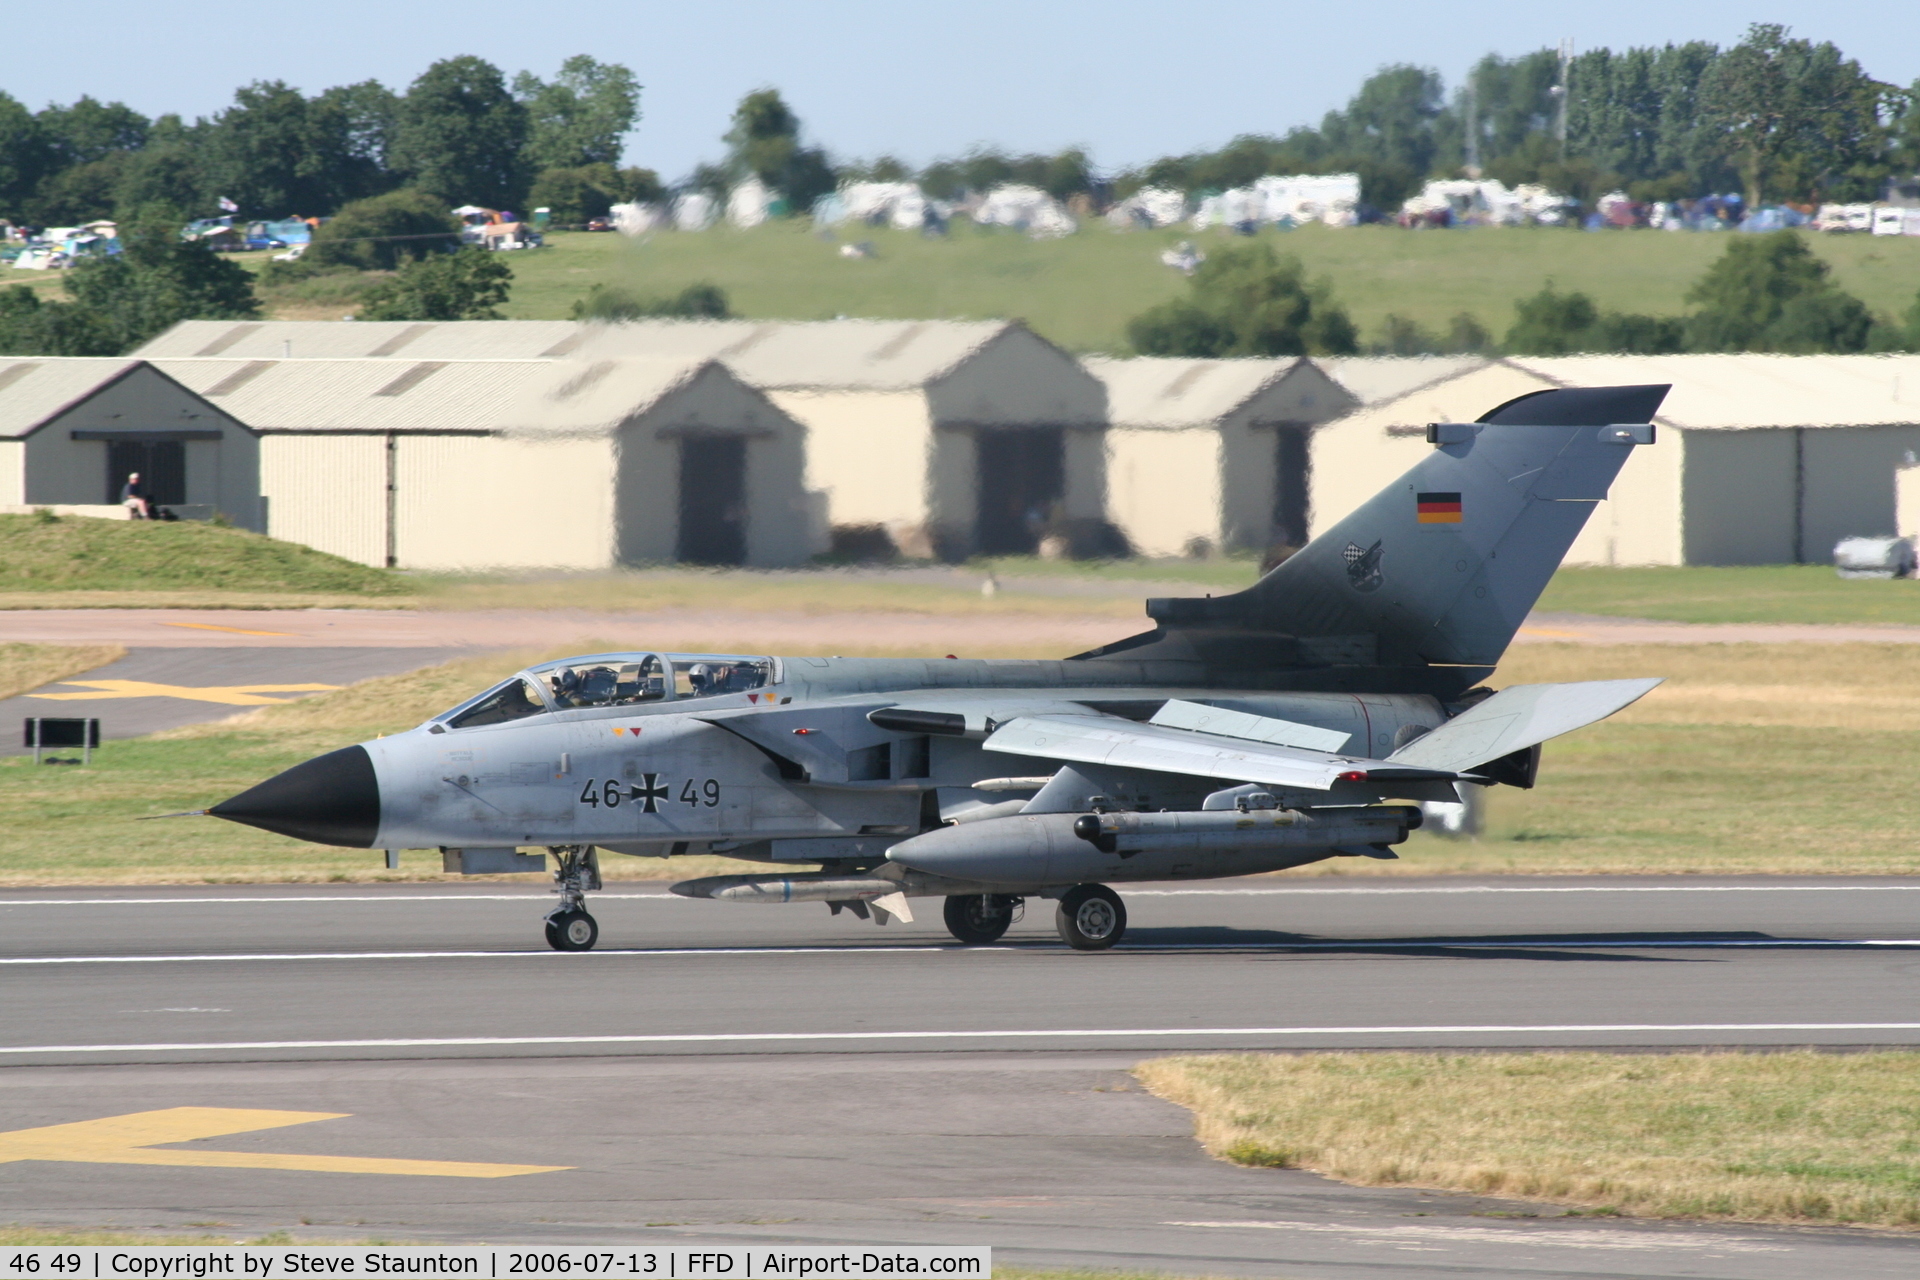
point(470, 284)
point(1770, 293)
point(90, 131)
point(158, 280)
point(1247, 301)
point(764, 142)
point(1560, 324)
point(1791, 114)
point(32, 326)
point(1465, 335)
point(572, 196)
point(699, 301)
point(25, 154)
point(582, 116)
point(460, 136)
point(381, 232)
point(275, 153)
point(166, 173)
point(1390, 121)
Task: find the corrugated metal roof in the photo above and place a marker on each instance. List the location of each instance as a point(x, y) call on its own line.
point(382, 394)
point(880, 355)
point(1158, 391)
point(35, 388)
point(340, 340)
point(867, 354)
point(1731, 392)
point(1377, 379)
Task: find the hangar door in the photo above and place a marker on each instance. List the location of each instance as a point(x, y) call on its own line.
point(713, 500)
point(1291, 463)
point(1022, 479)
point(162, 465)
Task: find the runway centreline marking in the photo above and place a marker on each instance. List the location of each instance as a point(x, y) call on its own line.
point(1257, 948)
point(1062, 1033)
point(535, 894)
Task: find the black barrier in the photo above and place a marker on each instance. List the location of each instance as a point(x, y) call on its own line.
point(43, 732)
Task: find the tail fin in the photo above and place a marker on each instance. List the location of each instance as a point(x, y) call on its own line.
point(1437, 569)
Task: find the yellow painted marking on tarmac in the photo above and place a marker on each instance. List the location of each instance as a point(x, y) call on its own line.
point(134, 1139)
point(234, 695)
point(1558, 635)
point(238, 631)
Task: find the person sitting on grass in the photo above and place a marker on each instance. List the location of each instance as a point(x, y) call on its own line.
point(133, 496)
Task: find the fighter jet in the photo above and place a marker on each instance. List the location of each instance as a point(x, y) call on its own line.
point(1305, 718)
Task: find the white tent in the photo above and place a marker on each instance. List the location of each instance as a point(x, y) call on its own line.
point(1488, 201)
point(749, 203)
point(1149, 206)
point(693, 211)
point(635, 218)
point(1029, 208)
point(1332, 198)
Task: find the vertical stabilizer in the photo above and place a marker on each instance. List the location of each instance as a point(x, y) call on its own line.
point(1441, 566)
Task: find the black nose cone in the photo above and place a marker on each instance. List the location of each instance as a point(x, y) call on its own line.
point(331, 799)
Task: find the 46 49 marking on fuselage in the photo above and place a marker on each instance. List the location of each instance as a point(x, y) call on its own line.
point(651, 794)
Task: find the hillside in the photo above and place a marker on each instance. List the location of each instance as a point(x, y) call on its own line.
point(1081, 290)
point(80, 554)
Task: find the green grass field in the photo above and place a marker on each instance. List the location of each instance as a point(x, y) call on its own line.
point(1081, 290)
point(1807, 593)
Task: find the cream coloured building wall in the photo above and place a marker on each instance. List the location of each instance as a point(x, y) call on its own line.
point(479, 502)
point(13, 472)
point(1164, 487)
point(327, 492)
point(868, 453)
point(1248, 453)
point(1640, 522)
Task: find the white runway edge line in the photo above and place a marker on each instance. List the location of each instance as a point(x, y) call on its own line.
point(954, 948)
point(533, 895)
point(794, 1037)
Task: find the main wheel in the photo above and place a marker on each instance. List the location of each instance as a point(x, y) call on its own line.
point(572, 931)
point(978, 918)
point(1090, 917)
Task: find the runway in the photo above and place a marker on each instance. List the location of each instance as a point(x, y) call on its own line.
point(737, 1072)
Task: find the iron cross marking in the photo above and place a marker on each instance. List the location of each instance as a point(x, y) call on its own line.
point(653, 793)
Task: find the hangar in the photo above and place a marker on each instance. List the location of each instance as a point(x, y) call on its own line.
point(1763, 459)
point(1209, 455)
point(470, 464)
point(72, 428)
point(954, 437)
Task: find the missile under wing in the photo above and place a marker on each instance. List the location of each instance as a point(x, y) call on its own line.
point(1302, 719)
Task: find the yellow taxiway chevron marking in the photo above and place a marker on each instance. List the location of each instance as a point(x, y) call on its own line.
point(238, 631)
point(235, 695)
point(1558, 635)
point(134, 1139)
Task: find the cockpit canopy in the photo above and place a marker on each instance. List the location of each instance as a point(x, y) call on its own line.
point(613, 680)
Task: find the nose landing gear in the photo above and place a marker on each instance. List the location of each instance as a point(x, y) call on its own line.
point(980, 918)
point(569, 927)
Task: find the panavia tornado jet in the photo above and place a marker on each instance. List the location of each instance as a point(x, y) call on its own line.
point(1302, 719)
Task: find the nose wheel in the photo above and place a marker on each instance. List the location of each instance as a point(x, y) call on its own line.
point(1090, 917)
point(980, 918)
point(572, 931)
point(569, 927)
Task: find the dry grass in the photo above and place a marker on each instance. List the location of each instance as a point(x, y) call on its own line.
point(28, 666)
point(1797, 1137)
point(60, 1237)
point(206, 598)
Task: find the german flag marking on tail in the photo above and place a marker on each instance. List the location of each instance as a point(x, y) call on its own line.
point(1438, 508)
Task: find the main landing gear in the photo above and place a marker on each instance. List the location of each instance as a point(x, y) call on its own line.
point(569, 927)
point(1090, 917)
point(980, 918)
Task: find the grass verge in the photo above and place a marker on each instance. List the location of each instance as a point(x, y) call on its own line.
point(1795, 1137)
point(1797, 593)
point(48, 554)
point(28, 666)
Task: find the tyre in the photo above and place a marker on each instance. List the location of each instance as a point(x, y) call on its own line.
point(1090, 917)
point(572, 931)
point(978, 918)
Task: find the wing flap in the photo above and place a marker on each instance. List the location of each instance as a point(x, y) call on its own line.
point(1517, 718)
point(1200, 718)
point(1110, 740)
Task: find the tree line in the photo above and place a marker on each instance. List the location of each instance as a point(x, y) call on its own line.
point(460, 133)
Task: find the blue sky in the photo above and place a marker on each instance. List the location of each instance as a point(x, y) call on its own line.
point(1127, 80)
